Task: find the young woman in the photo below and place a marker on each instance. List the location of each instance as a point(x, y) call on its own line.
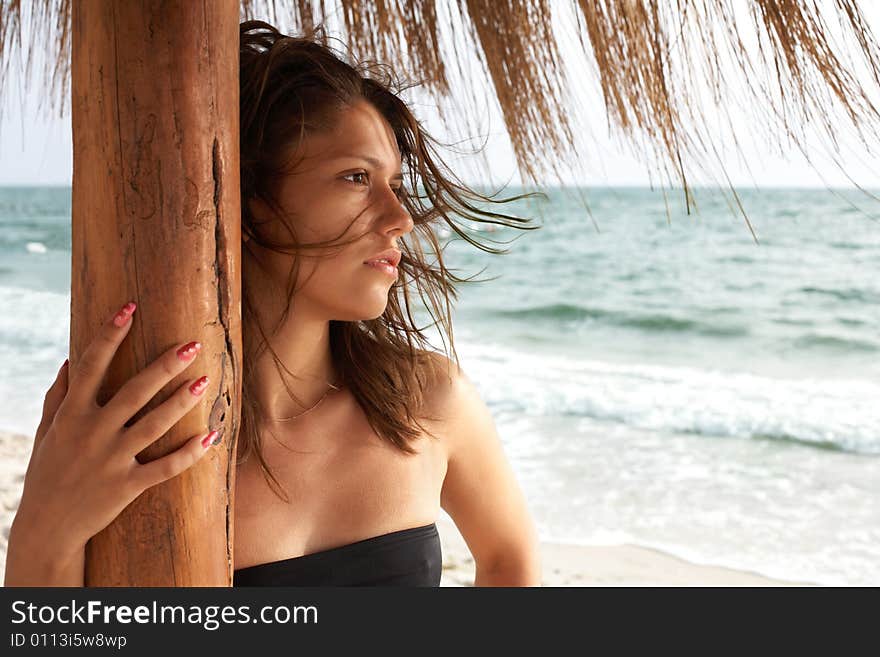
point(354, 432)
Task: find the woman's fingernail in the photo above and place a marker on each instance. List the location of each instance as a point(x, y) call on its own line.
point(208, 440)
point(188, 351)
point(199, 386)
point(124, 313)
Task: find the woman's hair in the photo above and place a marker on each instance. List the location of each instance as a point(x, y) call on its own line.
point(292, 87)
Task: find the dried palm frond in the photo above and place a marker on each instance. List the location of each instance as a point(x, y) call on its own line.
point(660, 64)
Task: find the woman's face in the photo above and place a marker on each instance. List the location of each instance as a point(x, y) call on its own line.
point(344, 185)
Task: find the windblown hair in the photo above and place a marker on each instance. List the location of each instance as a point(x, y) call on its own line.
point(292, 87)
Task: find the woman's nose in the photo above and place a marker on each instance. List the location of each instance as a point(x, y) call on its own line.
point(395, 219)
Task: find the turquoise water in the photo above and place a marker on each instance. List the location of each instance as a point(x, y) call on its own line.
point(668, 383)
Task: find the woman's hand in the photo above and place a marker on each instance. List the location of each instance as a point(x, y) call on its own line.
point(83, 471)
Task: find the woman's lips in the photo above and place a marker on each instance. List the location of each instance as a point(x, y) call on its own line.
point(382, 266)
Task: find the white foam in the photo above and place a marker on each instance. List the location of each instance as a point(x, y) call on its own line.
point(677, 399)
point(34, 338)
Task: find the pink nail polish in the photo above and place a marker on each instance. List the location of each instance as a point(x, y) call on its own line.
point(207, 440)
point(188, 351)
point(199, 386)
point(124, 313)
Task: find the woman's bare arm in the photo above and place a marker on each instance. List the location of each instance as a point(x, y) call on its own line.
point(480, 491)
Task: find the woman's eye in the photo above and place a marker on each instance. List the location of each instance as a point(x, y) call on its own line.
point(398, 191)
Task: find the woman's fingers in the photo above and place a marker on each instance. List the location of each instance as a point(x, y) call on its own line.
point(164, 468)
point(158, 421)
point(54, 396)
point(143, 386)
point(88, 373)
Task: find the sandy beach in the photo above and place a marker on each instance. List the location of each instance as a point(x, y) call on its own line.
point(601, 565)
point(563, 565)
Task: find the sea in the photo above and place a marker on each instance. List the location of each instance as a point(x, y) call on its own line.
point(671, 375)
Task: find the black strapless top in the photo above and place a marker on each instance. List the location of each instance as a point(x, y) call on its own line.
point(409, 557)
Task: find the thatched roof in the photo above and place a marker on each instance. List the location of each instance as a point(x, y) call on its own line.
point(660, 65)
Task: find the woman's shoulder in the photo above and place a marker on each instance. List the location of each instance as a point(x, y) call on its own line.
point(459, 416)
point(449, 396)
point(437, 365)
point(441, 376)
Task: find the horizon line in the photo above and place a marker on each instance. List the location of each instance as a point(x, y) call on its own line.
point(646, 186)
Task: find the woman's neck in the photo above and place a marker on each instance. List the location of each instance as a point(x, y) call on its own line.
point(302, 344)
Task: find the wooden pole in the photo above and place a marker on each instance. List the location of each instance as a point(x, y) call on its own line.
point(156, 219)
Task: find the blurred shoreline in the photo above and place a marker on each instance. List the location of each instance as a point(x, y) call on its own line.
point(602, 565)
point(562, 564)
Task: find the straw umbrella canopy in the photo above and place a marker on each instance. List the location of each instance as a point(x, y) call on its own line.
point(154, 90)
point(662, 67)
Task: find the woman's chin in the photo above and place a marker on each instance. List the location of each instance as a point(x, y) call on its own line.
point(364, 312)
point(375, 314)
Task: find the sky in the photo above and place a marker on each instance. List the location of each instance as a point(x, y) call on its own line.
point(36, 150)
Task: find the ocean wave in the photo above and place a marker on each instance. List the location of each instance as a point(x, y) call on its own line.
point(788, 438)
point(650, 323)
point(851, 321)
point(792, 321)
point(562, 311)
point(825, 414)
point(851, 294)
point(834, 342)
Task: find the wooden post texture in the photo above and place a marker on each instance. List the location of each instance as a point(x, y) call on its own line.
point(156, 220)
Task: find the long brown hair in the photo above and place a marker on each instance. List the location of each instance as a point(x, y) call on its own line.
point(292, 87)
